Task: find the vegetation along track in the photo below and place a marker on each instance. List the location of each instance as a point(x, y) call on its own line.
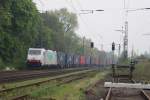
point(17, 93)
point(12, 76)
point(127, 94)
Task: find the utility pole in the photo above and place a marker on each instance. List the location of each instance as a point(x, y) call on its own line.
point(125, 47)
point(113, 63)
point(83, 45)
point(132, 52)
point(125, 40)
point(119, 50)
point(91, 47)
point(126, 30)
point(125, 44)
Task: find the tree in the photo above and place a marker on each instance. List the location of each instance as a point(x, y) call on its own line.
point(68, 19)
point(18, 28)
point(51, 21)
point(25, 20)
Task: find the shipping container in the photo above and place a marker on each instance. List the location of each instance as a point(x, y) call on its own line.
point(82, 60)
point(97, 61)
point(61, 57)
point(93, 61)
point(87, 61)
point(50, 58)
point(76, 60)
point(69, 60)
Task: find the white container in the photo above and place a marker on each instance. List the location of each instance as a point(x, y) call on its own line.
point(50, 58)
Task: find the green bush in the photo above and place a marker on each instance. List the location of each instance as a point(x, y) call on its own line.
point(142, 71)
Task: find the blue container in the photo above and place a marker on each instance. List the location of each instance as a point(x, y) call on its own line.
point(88, 61)
point(69, 60)
point(76, 60)
point(61, 59)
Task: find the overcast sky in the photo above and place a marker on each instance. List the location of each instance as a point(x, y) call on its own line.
point(101, 26)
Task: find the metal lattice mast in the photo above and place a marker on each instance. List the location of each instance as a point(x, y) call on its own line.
point(125, 44)
point(126, 40)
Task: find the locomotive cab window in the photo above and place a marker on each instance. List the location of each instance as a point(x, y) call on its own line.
point(34, 52)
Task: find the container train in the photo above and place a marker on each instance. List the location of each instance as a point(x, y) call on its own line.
point(40, 57)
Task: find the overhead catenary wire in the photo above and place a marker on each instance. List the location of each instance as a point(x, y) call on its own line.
point(76, 7)
point(82, 9)
point(101, 37)
point(146, 34)
point(71, 4)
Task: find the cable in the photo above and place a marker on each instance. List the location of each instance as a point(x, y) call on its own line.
point(81, 7)
point(82, 19)
point(85, 24)
point(42, 5)
point(76, 11)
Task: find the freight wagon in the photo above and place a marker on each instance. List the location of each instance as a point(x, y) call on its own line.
point(76, 60)
point(61, 59)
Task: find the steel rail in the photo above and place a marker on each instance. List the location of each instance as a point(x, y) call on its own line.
point(45, 81)
point(71, 79)
point(142, 93)
point(145, 95)
point(33, 74)
point(108, 96)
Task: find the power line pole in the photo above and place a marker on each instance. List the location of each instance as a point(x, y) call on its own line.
point(132, 52)
point(126, 41)
point(119, 51)
point(125, 44)
point(113, 63)
point(83, 45)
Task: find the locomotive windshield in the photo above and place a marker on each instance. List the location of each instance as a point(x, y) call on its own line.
point(34, 52)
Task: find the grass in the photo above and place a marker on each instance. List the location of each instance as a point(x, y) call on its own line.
point(16, 84)
point(142, 71)
point(71, 91)
point(122, 71)
point(68, 92)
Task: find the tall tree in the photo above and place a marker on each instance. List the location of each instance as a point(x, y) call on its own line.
point(18, 28)
point(52, 22)
point(25, 20)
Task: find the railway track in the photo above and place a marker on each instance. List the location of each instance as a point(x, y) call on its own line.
point(127, 94)
point(12, 76)
point(22, 97)
point(63, 79)
point(68, 80)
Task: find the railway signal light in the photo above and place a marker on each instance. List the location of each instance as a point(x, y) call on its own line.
point(113, 46)
point(92, 45)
